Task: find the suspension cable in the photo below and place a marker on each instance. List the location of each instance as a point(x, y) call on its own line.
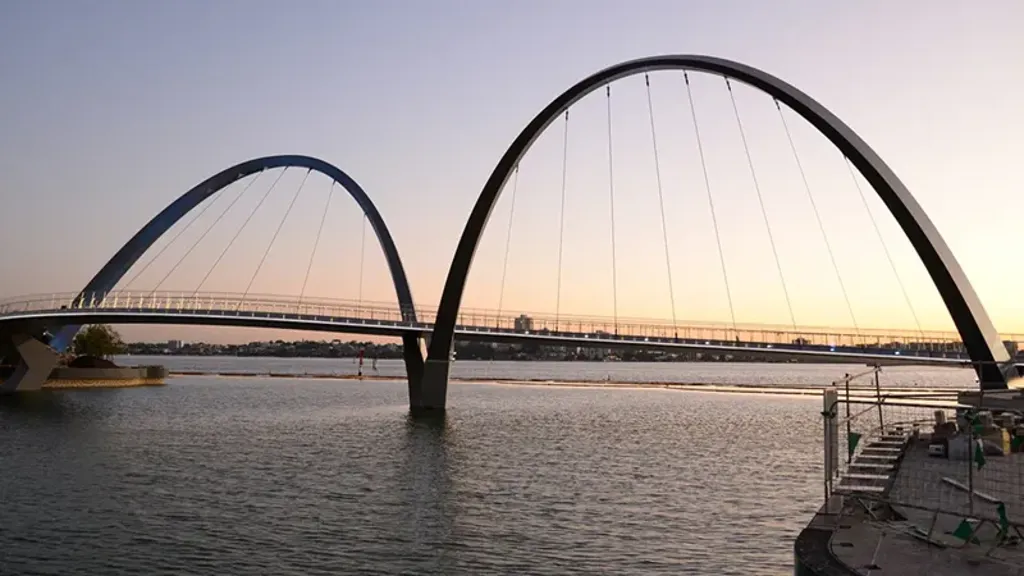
point(561, 218)
point(881, 239)
point(239, 231)
point(316, 243)
point(760, 201)
point(218, 195)
point(661, 205)
point(508, 241)
point(205, 232)
point(362, 257)
point(817, 216)
point(276, 232)
point(611, 203)
point(711, 201)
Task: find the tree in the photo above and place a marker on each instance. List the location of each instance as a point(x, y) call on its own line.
point(99, 340)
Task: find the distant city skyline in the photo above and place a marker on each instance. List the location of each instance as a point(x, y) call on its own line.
point(417, 103)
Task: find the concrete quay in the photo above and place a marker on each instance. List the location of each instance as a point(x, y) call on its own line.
point(121, 377)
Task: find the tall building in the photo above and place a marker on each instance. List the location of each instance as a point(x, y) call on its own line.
point(524, 323)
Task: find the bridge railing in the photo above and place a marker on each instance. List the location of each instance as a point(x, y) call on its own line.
point(710, 333)
point(184, 302)
point(932, 342)
point(926, 341)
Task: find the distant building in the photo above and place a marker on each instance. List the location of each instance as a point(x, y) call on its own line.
point(174, 345)
point(524, 323)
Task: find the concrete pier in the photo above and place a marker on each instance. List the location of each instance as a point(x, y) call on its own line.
point(433, 389)
point(63, 377)
point(38, 360)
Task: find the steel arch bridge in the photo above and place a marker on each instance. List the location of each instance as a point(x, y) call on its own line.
point(994, 365)
point(428, 377)
point(118, 265)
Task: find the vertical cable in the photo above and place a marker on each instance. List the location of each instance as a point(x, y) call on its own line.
point(561, 218)
point(817, 216)
point(760, 201)
point(205, 232)
point(316, 243)
point(362, 258)
point(276, 232)
point(661, 204)
point(508, 241)
point(239, 231)
point(711, 201)
point(611, 204)
point(218, 195)
point(888, 256)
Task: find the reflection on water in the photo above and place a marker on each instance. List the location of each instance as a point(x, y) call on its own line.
point(277, 476)
point(750, 374)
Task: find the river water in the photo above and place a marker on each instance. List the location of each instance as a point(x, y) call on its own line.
point(741, 374)
point(268, 475)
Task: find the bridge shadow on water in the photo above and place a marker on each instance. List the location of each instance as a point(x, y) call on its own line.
point(42, 405)
point(428, 468)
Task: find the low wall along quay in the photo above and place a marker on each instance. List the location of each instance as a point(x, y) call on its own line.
point(106, 377)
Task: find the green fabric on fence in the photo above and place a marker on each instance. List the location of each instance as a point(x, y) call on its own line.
point(851, 442)
point(964, 530)
point(979, 455)
point(1017, 442)
point(1004, 522)
point(975, 422)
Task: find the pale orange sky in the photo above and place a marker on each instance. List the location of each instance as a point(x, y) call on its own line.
point(419, 110)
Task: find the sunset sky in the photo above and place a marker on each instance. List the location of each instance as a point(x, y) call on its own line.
point(113, 109)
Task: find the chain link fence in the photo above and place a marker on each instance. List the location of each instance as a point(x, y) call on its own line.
point(952, 463)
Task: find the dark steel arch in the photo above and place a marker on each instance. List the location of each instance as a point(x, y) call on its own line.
point(979, 335)
point(125, 258)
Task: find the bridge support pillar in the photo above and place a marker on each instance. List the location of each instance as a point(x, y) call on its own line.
point(433, 391)
point(413, 351)
point(37, 362)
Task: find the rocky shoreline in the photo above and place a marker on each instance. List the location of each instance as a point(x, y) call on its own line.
point(63, 384)
point(115, 377)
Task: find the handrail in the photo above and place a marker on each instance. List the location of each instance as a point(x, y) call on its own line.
point(893, 334)
point(719, 335)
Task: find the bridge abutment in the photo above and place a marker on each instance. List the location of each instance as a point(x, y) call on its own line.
point(433, 388)
point(414, 353)
point(37, 362)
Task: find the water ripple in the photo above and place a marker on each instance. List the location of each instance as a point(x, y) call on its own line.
point(264, 476)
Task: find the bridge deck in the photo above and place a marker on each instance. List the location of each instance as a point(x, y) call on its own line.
point(383, 320)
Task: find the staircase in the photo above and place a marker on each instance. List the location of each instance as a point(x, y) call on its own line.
point(873, 467)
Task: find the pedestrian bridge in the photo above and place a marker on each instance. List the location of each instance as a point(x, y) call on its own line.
point(379, 319)
point(41, 326)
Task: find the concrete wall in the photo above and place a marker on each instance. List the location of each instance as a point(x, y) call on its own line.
point(64, 377)
point(129, 373)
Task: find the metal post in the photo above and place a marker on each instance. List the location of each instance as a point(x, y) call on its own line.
point(878, 399)
point(849, 454)
point(831, 440)
point(971, 447)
